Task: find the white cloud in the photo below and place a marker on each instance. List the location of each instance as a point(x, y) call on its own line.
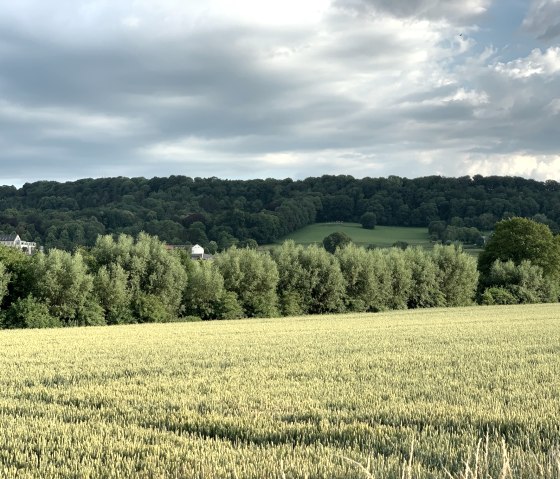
point(537, 63)
point(540, 167)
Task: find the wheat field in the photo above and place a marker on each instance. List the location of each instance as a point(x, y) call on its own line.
point(461, 393)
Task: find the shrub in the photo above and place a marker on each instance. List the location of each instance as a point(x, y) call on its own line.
point(30, 313)
point(150, 309)
point(368, 220)
point(497, 295)
point(336, 240)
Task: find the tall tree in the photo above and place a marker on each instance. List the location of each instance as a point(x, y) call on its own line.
point(292, 278)
point(61, 281)
point(425, 289)
point(205, 295)
point(4, 280)
point(156, 277)
point(458, 276)
point(401, 278)
point(17, 268)
point(323, 285)
point(111, 286)
point(519, 239)
point(366, 289)
point(253, 277)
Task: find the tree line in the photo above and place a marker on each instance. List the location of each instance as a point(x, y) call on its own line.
point(124, 280)
point(218, 214)
point(121, 280)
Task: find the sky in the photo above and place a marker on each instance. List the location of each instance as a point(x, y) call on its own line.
point(261, 89)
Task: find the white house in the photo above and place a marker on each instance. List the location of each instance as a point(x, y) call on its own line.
point(197, 252)
point(14, 241)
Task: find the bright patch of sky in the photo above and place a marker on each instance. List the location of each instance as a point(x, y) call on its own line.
point(279, 89)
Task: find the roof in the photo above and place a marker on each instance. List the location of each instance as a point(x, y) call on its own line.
point(12, 237)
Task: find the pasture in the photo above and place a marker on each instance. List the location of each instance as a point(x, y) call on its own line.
point(381, 236)
point(422, 393)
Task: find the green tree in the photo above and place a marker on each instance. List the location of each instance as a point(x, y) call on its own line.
point(458, 276)
point(4, 280)
point(253, 277)
point(30, 313)
point(519, 239)
point(323, 283)
point(212, 247)
point(150, 308)
point(156, 271)
point(365, 288)
point(17, 275)
point(111, 286)
point(425, 289)
point(310, 280)
point(497, 295)
point(401, 278)
point(152, 272)
point(336, 240)
point(381, 298)
point(248, 243)
point(292, 278)
point(62, 282)
point(205, 295)
point(368, 220)
point(524, 282)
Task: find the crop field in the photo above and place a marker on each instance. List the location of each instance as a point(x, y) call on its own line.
point(467, 392)
point(382, 236)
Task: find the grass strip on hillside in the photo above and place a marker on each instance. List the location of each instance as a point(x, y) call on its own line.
point(381, 236)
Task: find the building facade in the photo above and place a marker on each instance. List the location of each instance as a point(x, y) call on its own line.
point(14, 241)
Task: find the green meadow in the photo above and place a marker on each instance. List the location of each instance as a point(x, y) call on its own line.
point(460, 393)
point(382, 236)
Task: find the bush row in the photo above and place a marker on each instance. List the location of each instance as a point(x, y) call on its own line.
point(122, 280)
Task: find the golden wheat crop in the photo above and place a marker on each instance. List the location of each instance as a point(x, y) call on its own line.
point(467, 392)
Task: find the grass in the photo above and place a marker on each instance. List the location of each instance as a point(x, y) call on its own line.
point(392, 395)
point(382, 236)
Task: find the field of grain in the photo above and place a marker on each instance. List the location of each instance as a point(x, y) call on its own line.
point(381, 236)
point(401, 394)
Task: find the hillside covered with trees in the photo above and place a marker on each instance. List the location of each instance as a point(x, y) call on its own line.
point(220, 213)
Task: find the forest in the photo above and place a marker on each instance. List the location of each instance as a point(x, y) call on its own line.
point(218, 214)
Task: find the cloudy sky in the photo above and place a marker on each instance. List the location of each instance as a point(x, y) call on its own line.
point(297, 88)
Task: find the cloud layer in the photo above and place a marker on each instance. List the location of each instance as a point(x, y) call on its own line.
point(361, 87)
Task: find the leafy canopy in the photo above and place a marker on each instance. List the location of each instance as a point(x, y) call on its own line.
point(519, 239)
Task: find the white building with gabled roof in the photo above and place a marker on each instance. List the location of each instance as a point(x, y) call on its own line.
point(14, 241)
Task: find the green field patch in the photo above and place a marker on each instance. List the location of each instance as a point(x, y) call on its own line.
point(382, 236)
point(399, 394)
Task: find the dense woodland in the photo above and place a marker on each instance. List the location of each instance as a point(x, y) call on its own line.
point(220, 213)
